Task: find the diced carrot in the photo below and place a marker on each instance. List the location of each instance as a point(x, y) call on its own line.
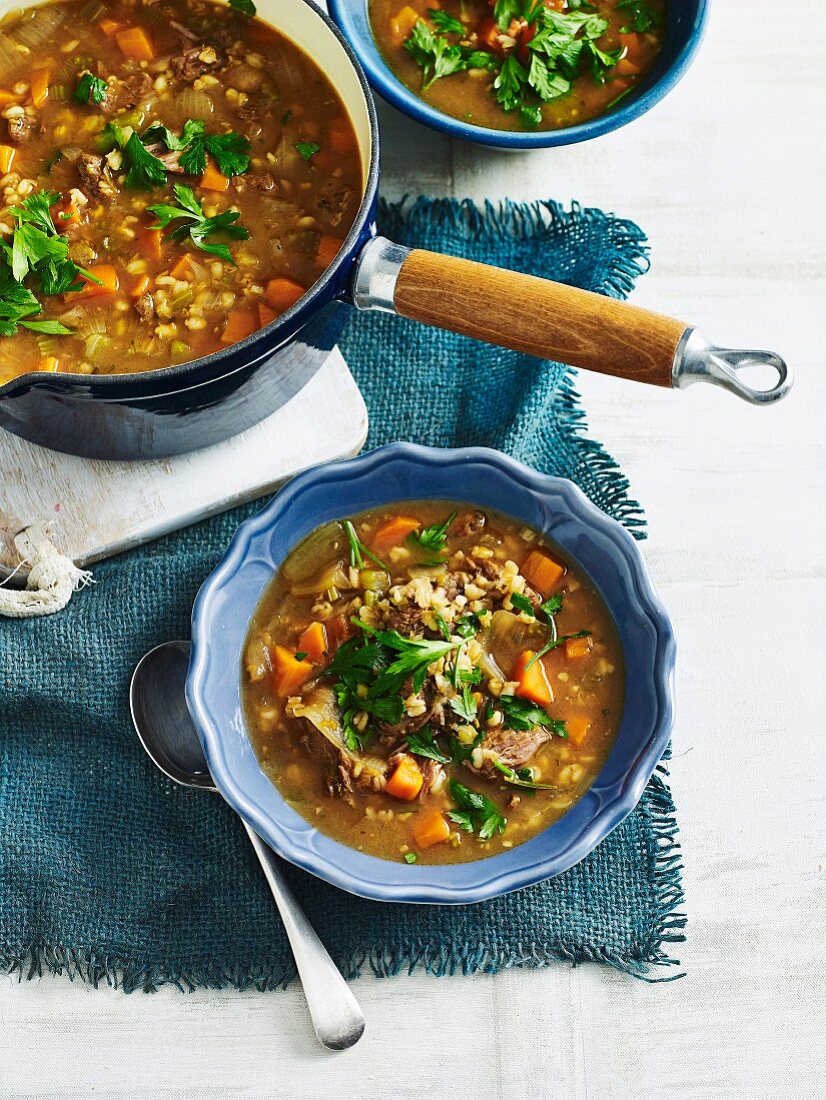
point(625, 67)
point(240, 324)
point(542, 572)
point(532, 682)
point(633, 48)
point(7, 153)
point(65, 214)
point(182, 268)
point(110, 26)
point(394, 530)
point(429, 827)
point(403, 23)
point(328, 249)
point(281, 293)
point(150, 244)
point(40, 86)
point(340, 137)
point(577, 728)
point(406, 780)
point(109, 282)
point(339, 629)
point(135, 44)
point(313, 642)
point(140, 286)
point(265, 314)
point(49, 363)
point(577, 647)
point(213, 180)
point(288, 674)
point(489, 36)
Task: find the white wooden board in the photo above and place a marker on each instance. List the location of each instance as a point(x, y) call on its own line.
point(97, 508)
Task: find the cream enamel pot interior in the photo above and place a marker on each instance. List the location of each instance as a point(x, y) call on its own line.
point(194, 404)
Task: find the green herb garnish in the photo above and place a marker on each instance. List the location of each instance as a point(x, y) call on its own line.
point(90, 89)
point(423, 743)
point(522, 714)
point(643, 16)
point(301, 656)
point(245, 7)
point(145, 170)
point(521, 777)
point(433, 538)
point(434, 53)
point(230, 152)
point(445, 22)
point(358, 551)
point(195, 225)
point(307, 149)
point(476, 812)
point(522, 603)
point(410, 857)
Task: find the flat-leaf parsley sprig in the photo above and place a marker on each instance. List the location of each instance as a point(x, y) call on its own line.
point(195, 225)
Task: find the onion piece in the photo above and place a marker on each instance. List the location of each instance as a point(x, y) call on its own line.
point(503, 641)
point(39, 24)
point(11, 60)
point(317, 551)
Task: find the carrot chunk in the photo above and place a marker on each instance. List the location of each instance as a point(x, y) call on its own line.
point(288, 674)
point(429, 827)
point(110, 26)
point(238, 326)
point(328, 249)
point(213, 180)
point(532, 682)
point(265, 314)
point(65, 214)
point(577, 728)
point(135, 44)
point(281, 293)
point(182, 268)
point(49, 363)
point(577, 647)
point(141, 286)
point(395, 530)
point(339, 629)
point(40, 86)
point(542, 572)
point(403, 23)
point(340, 137)
point(634, 49)
point(313, 642)
point(406, 781)
point(108, 284)
point(7, 153)
point(150, 244)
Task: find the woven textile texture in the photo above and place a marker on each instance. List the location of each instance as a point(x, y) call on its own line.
point(108, 871)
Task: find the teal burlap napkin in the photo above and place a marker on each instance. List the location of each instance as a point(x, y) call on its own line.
point(110, 871)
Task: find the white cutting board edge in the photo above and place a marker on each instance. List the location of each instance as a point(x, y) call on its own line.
point(95, 509)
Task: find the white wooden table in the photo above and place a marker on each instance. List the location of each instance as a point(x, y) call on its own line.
point(726, 176)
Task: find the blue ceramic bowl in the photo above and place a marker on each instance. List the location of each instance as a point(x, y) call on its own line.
point(401, 471)
point(684, 30)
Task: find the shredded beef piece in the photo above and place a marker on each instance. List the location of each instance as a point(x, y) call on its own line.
point(407, 620)
point(490, 568)
point(192, 63)
point(467, 524)
point(332, 201)
point(145, 307)
point(261, 181)
point(22, 129)
point(247, 111)
point(513, 801)
point(338, 779)
point(431, 771)
point(514, 748)
point(95, 179)
point(168, 157)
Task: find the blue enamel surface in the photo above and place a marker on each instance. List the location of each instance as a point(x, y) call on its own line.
point(478, 476)
point(684, 31)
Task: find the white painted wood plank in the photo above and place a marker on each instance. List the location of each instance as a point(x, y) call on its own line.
point(726, 178)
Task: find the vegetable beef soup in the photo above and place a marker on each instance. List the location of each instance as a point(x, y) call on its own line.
point(520, 64)
point(431, 683)
point(175, 175)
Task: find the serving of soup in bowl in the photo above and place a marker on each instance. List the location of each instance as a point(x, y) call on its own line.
point(431, 675)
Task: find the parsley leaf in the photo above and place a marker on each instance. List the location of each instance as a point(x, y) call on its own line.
point(433, 538)
point(193, 128)
point(194, 223)
point(522, 603)
point(468, 626)
point(145, 170)
point(643, 15)
point(245, 7)
point(90, 89)
point(16, 302)
point(522, 777)
point(510, 83)
point(522, 714)
point(445, 22)
point(307, 149)
point(464, 705)
point(436, 56)
point(423, 743)
point(548, 85)
point(476, 812)
point(410, 857)
point(228, 150)
point(505, 11)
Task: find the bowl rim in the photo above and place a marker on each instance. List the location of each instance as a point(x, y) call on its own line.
point(422, 883)
point(384, 81)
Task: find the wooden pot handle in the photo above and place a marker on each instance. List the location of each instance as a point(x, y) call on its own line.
point(527, 314)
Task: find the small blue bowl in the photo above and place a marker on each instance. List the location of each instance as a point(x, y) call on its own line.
point(486, 478)
point(686, 20)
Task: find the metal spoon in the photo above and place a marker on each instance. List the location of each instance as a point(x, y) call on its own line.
point(165, 729)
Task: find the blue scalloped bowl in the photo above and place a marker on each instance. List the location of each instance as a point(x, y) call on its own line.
point(402, 471)
point(685, 25)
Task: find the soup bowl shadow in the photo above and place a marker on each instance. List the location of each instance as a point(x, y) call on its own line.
point(685, 26)
point(600, 546)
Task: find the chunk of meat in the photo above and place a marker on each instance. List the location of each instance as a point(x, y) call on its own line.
point(95, 177)
point(433, 773)
point(145, 307)
point(513, 748)
point(338, 766)
point(22, 129)
point(169, 158)
point(333, 197)
point(127, 92)
point(467, 524)
point(194, 62)
point(407, 620)
point(260, 181)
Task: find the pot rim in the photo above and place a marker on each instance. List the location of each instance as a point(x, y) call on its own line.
point(271, 336)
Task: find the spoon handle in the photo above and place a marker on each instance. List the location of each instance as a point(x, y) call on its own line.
point(334, 1011)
